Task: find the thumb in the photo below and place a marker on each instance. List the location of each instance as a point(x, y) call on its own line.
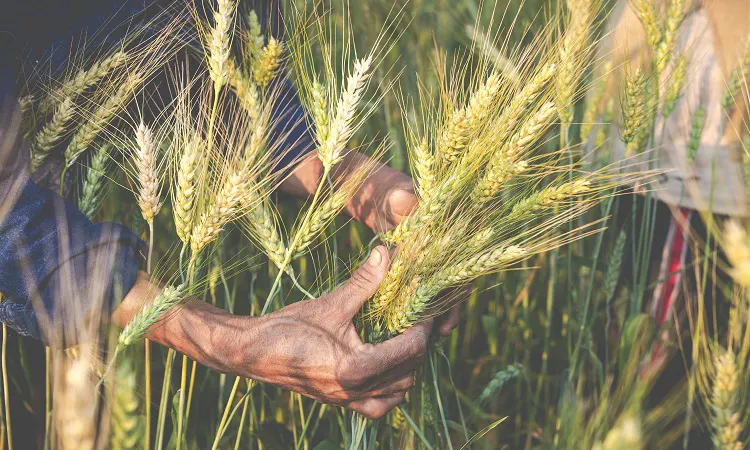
point(364, 281)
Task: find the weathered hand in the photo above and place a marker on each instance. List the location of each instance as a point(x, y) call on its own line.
point(313, 348)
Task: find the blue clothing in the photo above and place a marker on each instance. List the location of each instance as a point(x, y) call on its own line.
point(51, 255)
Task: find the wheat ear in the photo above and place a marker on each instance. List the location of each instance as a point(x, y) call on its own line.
point(418, 299)
point(77, 419)
point(466, 122)
point(319, 111)
point(726, 420)
point(646, 13)
point(268, 62)
point(626, 433)
point(52, 132)
point(674, 86)
point(505, 164)
point(245, 90)
point(634, 110)
point(184, 202)
point(139, 325)
point(220, 42)
point(330, 152)
point(221, 211)
point(319, 219)
point(512, 113)
point(127, 424)
point(572, 55)
point(91, 194)
point(101, 117)
point(146, 172)
point(424, 168)
point(676, 12)
point(83, 80)
point(737, 248)
point(739, 73)
point(264, 227)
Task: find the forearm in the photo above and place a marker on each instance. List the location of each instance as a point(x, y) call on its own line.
point(206, 334)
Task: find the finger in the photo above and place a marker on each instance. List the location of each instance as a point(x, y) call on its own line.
point(363, 282)
point(449, 321)
point(401, 202)
point(407, 347)
point(398, 386)
point(376, 407)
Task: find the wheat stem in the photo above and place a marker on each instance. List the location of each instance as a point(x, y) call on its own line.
point(6, 393)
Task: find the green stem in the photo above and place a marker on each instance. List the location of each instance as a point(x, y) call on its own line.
point(147, 386)
point(292, 247)
point(62, 180)
point(246, 402)
point(47, 399)
point(150, 245)
point(6, 394)
point(181, 409)
point(164, 399)
point(220, 431)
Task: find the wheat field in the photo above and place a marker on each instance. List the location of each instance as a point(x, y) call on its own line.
point(534, 156)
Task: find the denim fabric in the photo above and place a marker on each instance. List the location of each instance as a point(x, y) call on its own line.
point(51, 253)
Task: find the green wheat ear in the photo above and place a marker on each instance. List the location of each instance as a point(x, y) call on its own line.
point(127, 422)
point(149, 315)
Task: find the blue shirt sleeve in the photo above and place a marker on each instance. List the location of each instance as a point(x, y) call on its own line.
point(61, 268)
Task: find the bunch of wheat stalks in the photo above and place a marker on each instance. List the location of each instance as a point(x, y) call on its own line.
point(490, 194)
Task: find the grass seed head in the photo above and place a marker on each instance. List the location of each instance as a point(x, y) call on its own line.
point(147, 172)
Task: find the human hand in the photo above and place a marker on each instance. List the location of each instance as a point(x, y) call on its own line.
point(385, 198)
point(313, 348)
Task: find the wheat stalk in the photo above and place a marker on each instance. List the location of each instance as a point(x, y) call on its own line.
point(505, 164)
point(86, 134)
point(83, 80)
point(147, 174)
point(184, 202)
point(675, 85)
point(737, 248)
point(220, 42)
point(91, 194)
point(726, 420)
point(127, 424)
point(77, 419)
point(149, 315)
point(245, 89)
point(44, 140)
point(634, 110)
point(268, 62)
point(331, 150)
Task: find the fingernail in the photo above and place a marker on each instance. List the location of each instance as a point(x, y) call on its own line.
point(375, 257)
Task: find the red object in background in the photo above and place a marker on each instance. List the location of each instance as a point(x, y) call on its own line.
point(667, 290)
